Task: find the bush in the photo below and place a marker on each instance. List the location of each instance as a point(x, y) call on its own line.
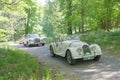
point(103, 38)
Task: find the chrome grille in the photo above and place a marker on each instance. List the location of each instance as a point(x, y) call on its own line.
point(86, 49)
point(37, 40)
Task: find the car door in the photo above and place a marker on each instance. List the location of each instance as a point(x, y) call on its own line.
point(57, 47)
point(62, 47)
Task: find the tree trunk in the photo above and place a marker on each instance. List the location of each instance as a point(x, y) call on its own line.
point(27, 23)
point(75, 29)
point(108, 4)
point(83, 2)
point(79, 29)
point(82, 15)
point(69, 13)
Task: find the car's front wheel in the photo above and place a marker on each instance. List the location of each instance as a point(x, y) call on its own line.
point(97, 58)
point(43, 44)
point(27, 44)
point(69, 58)
point(24, 44)
point(52, 52)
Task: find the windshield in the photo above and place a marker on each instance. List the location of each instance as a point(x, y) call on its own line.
point(32, 36)
point(70, 37)
point(73, 37)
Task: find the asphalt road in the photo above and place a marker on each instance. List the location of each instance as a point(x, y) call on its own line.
point(106, 69)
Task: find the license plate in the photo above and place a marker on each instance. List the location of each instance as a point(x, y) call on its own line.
point(87, 54)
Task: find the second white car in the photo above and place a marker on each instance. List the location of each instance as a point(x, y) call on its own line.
point(33, 39)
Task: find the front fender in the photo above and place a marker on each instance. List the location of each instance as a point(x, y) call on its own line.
point(52, 45)
point(75, 54)
point(95, 48)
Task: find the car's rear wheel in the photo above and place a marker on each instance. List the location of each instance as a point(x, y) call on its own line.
point(97, 58)
point(52, 52)
point(69, 58)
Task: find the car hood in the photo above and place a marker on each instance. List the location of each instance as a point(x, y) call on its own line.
point(74, 43)
point(33, 38)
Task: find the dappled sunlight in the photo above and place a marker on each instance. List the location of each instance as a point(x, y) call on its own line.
point(108, 74)
point(99, 71)
point(13, 44)
point(91, 70)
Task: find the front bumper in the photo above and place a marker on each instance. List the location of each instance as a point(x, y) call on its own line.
point(35, 43)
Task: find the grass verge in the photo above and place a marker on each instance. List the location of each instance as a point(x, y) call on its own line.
point(18, 65)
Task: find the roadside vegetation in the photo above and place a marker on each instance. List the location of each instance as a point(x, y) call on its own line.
point(109, 41)
point(19, 65)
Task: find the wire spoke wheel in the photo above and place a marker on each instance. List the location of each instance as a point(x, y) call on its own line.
point(97, 58)
point(52, 52)
point(70, 60)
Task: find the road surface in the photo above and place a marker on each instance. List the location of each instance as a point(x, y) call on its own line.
point(106, 69)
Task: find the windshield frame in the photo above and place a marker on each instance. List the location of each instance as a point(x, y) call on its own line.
point(69, 37)
point(32, 36)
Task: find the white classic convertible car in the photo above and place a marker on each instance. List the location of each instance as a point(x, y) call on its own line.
point(73, 49)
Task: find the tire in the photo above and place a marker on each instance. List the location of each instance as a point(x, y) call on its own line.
point(28, 44)
point(24, 44)
point(97, 58)
point(43, 44)
point(69, 58)
point(52, 52)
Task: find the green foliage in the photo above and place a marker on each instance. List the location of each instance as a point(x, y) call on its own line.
point(80, 15)
point(19, 17)
point(33, 16)
point(12, 18)
point(47, 27)
point(19, 65)
point(107, 40)
point(58, 16)
point(4, 35)
point(49, 40)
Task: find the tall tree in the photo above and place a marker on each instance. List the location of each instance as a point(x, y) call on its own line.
point(11, 12)
point(30, 11)
point(19, 17)
point(83, 4)
point(74, 16)
point(68, 16)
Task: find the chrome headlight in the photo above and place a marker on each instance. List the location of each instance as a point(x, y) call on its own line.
point(79, 50)
point(93, 49)
point(30, 40)
point(42, 40)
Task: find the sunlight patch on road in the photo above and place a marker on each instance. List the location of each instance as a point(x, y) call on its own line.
point(91, 70)
point(108, 74)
